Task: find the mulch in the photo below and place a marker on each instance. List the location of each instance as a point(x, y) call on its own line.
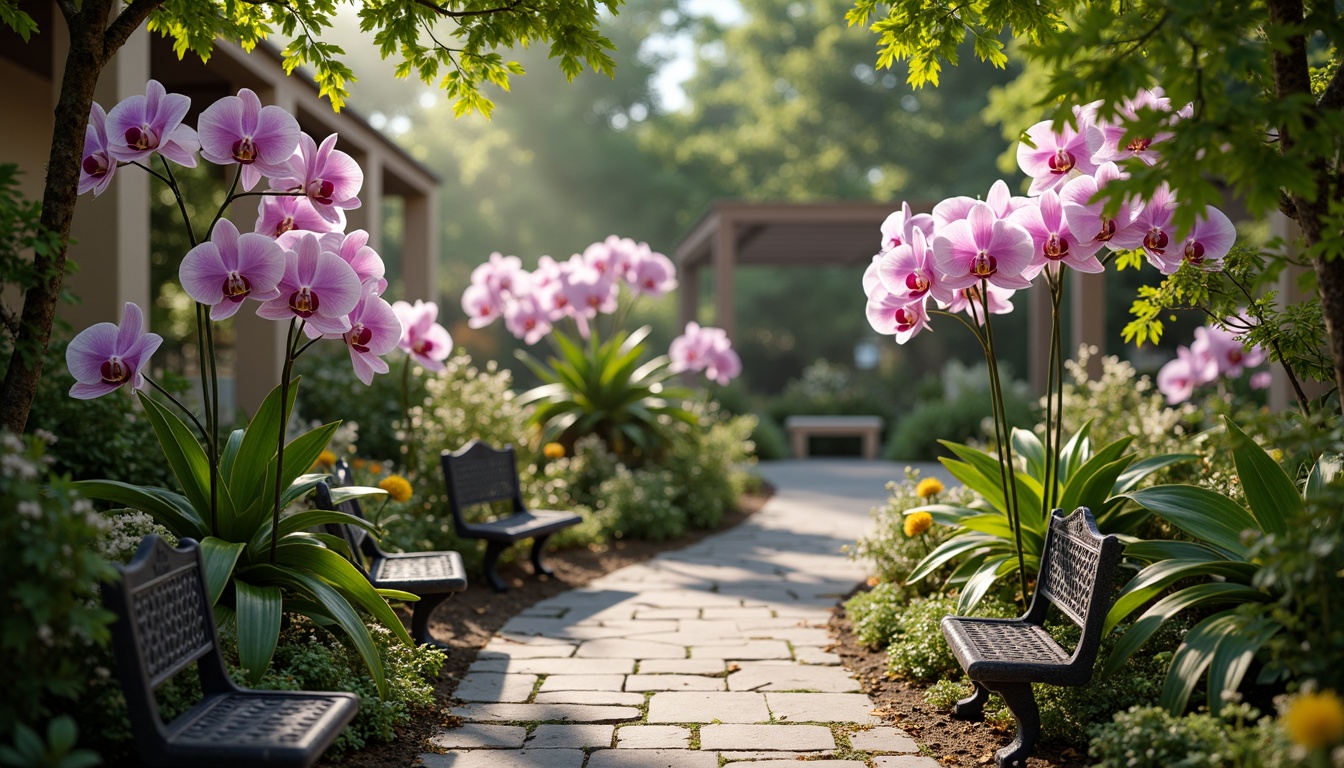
point(468, 621)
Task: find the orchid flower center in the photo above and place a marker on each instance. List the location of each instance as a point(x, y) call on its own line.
point(905, 319)
point(649, 284)
point(320, 190)
point(142, 137)
point(984, 265)
point(1139, 145)
point(484, 311)
point(1194, 252)
point(917, 283)
point(422, 346)
point(96, 165)
point(1062, 161)
point(359, 338)
point(1107, 230)
point(529, 324)
point(1056, 247)
point(1235, 356)
point(285, 225)
point(303, 302)
point(114, 371)
point(245, 150)
point(594, 301)
point(1156, 241)
point(236, 287)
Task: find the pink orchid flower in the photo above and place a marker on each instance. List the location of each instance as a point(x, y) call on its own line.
point(891, 315)
point(354, 249)
point(480, 305)
point(1230, 356)
point(278, 214)
point(375, 330)
point(329, 177)
point(871, 279)
point(1083, 211)
point(968, 300)
point(230, 267)
point(1057, 157)
point(1001, 202)
point(1109, 141)
point(897, 228)
point(1261, 380)
point(982, 247)
point(1052, 241)
point(317, 287)
point(499, 274)
point(651, 273)
point(723, 364)
point(591, 292)
point(1152, 231)
point(422, 337)
point(907, 271)
point(104, 356)
point(705, 349)
point(1178, 378)
point(238, 130)
point(1209, 241)
point(142, 125)
point(97, 167)
point(526, 320)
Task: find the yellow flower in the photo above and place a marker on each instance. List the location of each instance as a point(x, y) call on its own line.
point(929, 486)
point(553, 451)
point(326, 459)
point(397, 487)
point(917, 523)
point(1315, 720)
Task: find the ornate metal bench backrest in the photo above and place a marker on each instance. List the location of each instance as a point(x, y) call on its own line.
point(479, 474)
point(355, 537)
point(164, 625)
point(1077, 572)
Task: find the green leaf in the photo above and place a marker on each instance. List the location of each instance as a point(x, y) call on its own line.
point(1200, 512)
point(1083, 489)
point(1214, 593)
point(337, 571)
point(185, 456)
point(1193, 657)
point(1163, 549)
point(1029, 447)
point(180, 517)
point(1139, 470)
point(1234, 654)
point(1325, 471)
point(259, 443)
point(1075, 452)
point(220, 558)
point(230, 454)
point(1270, 492)
point(980, 582)
point(259, 612)
point(1153, 580)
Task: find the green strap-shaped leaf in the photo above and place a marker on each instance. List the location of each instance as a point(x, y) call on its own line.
point(180, 518)
point(1083, 478)
point(1207, 515)
point(1162, 549)
point(259, 613)
point(1028, 446)
point(946, 514)
point(257, 450)
point(186, 458)
point(1193, 656)
point(988, 486)
point(1075, 452)
point(1270, 492)
point(1234, 654)
point(230, 454)
point(1139, 470)
point(996, 524)
point(1153, 580)
point(220, 558)
point(1213, 593)
point(979, 583)
point(953, 547)
point(337, 571)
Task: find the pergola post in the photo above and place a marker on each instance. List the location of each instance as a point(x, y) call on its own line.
point(420, 247)
point(1087, 304)
point(688, 295)
point(724, 256)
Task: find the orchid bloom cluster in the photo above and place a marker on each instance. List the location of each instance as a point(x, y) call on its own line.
point(705, 349)
point(580, 288)
point(297, 263)
point(1215, 354)
point(1004, 241)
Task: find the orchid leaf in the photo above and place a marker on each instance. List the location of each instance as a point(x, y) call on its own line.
point(340, 573)
point(953, 547)
point(258, 616)
point(1153, 580)
point(1326, 469)
point(1193, 656)
point(1234, 654)
point(1214, 593)
point(220, 558)
point(1270, 492)
point(1075, 452)
point(1204, 514)
point(186, 458)
point(259, 443)
point(980, 582)
point(175, 514)
point(1139, 470)
point(1028, 446)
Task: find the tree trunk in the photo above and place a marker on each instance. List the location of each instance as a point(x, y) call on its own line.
point(1292, 77)
point(88, 54)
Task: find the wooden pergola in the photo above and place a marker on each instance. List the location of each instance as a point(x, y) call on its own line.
point(734, 233)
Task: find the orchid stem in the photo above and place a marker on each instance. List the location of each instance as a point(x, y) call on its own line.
point(406, 415)
point(178, 403)
point(290, 341)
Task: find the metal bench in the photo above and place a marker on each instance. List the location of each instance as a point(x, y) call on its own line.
point(1008, 655)
point(164, 624)
point(432, 576)
point(478, 474)
point(866, 428)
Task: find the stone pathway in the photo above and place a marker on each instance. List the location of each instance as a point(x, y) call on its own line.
point(714, 654)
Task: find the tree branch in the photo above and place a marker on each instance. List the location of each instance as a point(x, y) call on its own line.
point(1333, 97)
point(129, 20)
point(441, 11)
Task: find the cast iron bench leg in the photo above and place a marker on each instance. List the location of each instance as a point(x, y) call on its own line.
point(538, 549)
point(493, 549)
point(420, 620)
point(1022, 702)
point(972, 707)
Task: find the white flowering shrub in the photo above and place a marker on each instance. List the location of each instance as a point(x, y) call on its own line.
point(1151, 737)
point(50, 618)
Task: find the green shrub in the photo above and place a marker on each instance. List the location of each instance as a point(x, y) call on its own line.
point(961, 414)
point(1150, 737)
point(771, 443)
point(876, 613)
point(918, 650)
point(639, 504)
point(330, 387)
point(707, 465)
point(50, 616)
point(890, 553)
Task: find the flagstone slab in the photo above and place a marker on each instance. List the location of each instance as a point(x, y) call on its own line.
point(652, 758)
point(673, 683)
point(707, 707)
point(791, 677)
point(737, 613)
point(884, 739)
point(495, 686)
point(582, 683)
point(505, 758)
point(530, 713)
point(784, 738)
point(811, 655)
point(502, 650)
point(629, 649)
point(550, 736)
point(821, 708)
point(681, 667)
point(601, 698)
point(795, 636)
point(653, 737)
point(794, 762)
point(905, 761)
point(549, 666)
point(667, 613)
point(479, 735)
point(749, 650)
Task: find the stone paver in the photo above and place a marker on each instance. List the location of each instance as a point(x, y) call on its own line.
point(754, 602)
point(653, 737)
point(708, 707)
point(784, 738)
point(794, 762)
point(884, 739)
point(550, 736)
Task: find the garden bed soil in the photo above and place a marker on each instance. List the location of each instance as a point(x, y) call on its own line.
point(901, 702)
point(467, 621)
